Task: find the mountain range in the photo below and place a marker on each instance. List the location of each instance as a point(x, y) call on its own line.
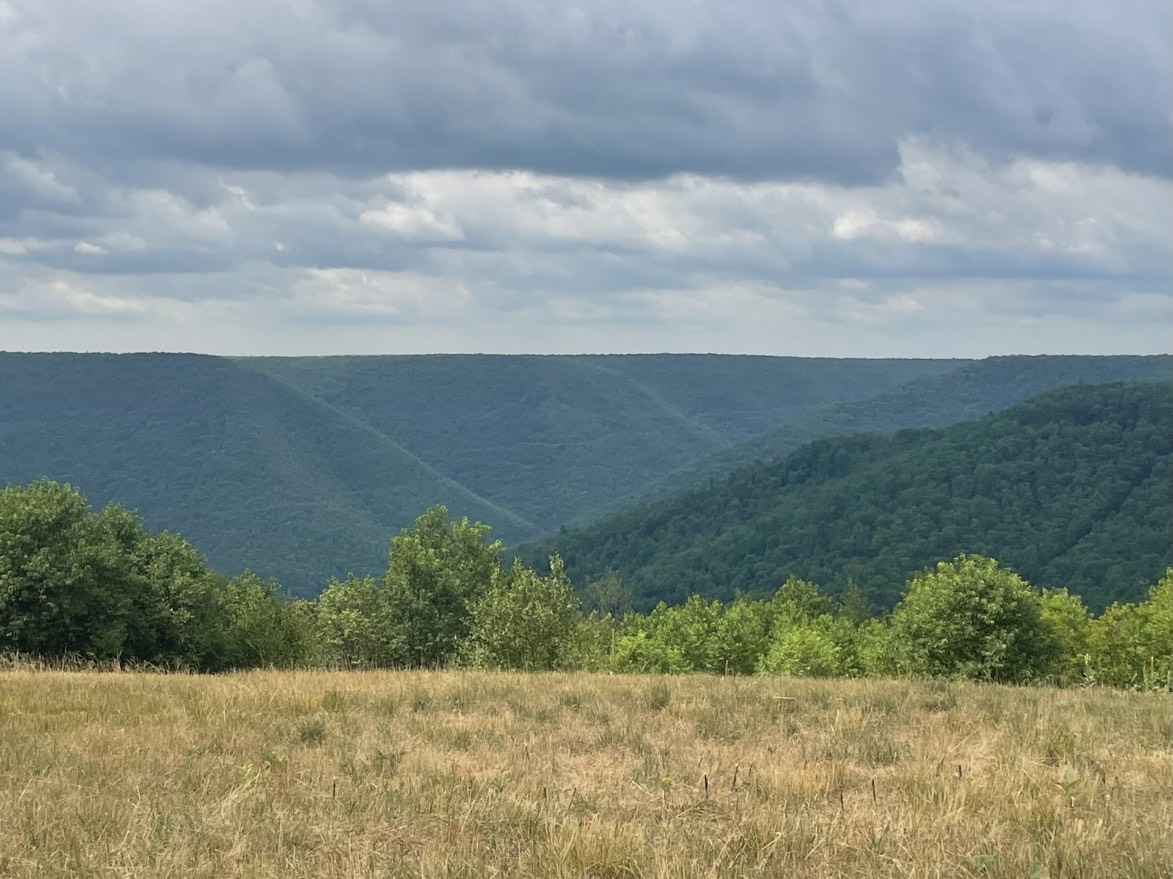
point(301, 468)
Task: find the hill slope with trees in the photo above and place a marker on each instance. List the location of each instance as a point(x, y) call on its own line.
point(1069, 488)
point(300, 468)
point(294, 469)
point(555, 438)
point(968, 392)
point(261, 477)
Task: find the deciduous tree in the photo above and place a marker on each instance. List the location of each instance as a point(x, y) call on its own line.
point(971, 617)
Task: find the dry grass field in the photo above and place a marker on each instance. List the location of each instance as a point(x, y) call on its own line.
point(454, 774)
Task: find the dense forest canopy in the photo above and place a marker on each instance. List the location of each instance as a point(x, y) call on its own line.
point(1070, 488)
point(966, 393)
point(298, 468)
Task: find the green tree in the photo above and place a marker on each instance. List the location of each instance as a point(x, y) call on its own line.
point(677, 638)
point(65, 580)
point(258, 627)
point(798, 600)
point(608, 595)
point(853, 606)
point(743, 635)
point(971, 617)
point(437, 572)
point(300, 620)
point(184, 607)
point(1069, 624)
point(803, 650)
point(591, 644)
point(1131, 645)
point(352, 623)
point(641, 653)
point(879, 654)
point(692, 629)
point(524, 620)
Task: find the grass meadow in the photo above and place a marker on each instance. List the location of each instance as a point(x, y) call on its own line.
point(467, 774)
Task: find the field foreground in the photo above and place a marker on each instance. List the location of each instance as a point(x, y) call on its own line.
point(332, 774)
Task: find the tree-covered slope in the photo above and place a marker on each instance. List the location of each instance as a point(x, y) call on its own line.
point(1070, 488)
point(302, 468)
point(255, 474)
point(970, 391)
point(554, 438)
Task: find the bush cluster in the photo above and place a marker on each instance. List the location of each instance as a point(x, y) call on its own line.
point(97, 584)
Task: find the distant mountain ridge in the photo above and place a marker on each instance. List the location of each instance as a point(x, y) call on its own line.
point(966, 393)
point(1071, 488)
point(253, 473)
point(552, 438)
point(301, 468)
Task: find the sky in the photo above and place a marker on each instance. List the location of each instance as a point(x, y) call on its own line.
point(891, 178)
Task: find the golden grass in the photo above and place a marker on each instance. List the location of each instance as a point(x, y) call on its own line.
point(340, 774)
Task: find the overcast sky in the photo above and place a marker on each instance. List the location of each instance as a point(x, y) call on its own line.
point(880, 178)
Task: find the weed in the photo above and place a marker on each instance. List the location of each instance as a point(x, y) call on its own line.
point(658, 697)
point(981, 863)
point(572, 700)
point(312, 731)
point(274, 760)
point(334, 702)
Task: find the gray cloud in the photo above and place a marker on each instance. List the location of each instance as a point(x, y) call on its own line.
point(299, 176)
point(759, 90)
point(511, 239)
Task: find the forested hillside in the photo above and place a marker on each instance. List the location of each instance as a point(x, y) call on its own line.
point(555, 438)
point(1070, 488)
point(295, 469)
point(301, 468)
point(261, 477)
point(962, 394)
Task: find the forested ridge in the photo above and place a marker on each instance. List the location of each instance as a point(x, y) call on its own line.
point(299, 468)
point(966, 393)
point(1070, 488)
point(259, 475)
point(554, 438)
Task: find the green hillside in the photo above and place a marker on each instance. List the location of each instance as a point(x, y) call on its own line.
point(301, 468)
point(555, 438)
point(295, 467)
point(1071, 488)
point(253, 473)
point(962, 394)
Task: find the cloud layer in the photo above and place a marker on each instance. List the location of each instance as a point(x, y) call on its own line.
point(814, 178)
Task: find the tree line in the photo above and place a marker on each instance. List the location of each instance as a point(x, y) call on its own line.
point(74, 582)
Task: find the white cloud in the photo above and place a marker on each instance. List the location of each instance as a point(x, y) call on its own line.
point(22, 246)
point(35, 178)
point(903, 304)
point(916, 231)
point(61, 297)
point(714, 262)
point(854, 224)
point(347, 294)
point(85, 302)
point(412, 223)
